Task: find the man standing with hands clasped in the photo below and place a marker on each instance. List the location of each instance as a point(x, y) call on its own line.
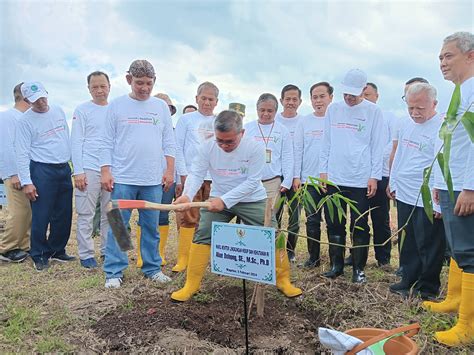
point(138, 133)
point(351, 158)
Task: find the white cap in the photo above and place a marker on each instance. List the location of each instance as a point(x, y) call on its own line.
point(354, 82)
point(33, 91)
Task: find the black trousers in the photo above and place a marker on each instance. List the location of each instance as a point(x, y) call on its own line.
point(293, 220)
point(422, 252)
point(380, 216)
point(360, 236)
point(313, 223)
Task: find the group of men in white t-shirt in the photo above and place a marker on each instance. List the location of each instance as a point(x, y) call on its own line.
point(127, 149)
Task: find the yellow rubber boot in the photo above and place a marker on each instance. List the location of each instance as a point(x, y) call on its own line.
point(453, 296)
point(164, 232)
point(463, 332)
point(184, 243)
point(139, 254)
point(199, 255)
point(283, 282)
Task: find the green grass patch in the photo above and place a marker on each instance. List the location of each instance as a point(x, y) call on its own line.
point(52, 344)
point(92, 281)
point(21, 323)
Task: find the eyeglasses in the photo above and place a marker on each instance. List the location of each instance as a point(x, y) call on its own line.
point(228, 142)
point(404, 98)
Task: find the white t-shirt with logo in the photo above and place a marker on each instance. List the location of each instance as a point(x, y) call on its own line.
point(192, 129)
point(43, 138)
point(136, 136)
point(461, 162)
point(415, 151)
point(236, 176)
point(391, 122)
point(276, 138)
point(88, 125)
point(8, 123)
point(352, 149)
point(308, 140)
point(289, 123)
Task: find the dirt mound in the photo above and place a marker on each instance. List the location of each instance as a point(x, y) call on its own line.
point(216, 318)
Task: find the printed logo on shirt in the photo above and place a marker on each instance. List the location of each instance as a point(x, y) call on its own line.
point(143, 120)
point(351, 126)
point(414, 145)
point(52, 131)
point(274, 139)
point(359, 119)
point(232, 172)
point(318, 133)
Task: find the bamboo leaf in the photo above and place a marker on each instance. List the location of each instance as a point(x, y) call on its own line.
point(454, 105)
point(446, 154)
point(427, 201)
point(446, 175)
point(340, 211)
point(327, 182)
point(309, 200)
point(359, 228)
point(280, 202)
point(468, 122)
point(281, 241)
point(443, 129)
point(330, 209)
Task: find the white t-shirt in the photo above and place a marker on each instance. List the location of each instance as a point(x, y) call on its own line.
point(192, 129)
point(276, 138)
point(289, 123)
point(461, 162)
point(352, 148)
point(415, 151)
point(8, 123)
point(88, 125)
point(236, 176)
point(43, 138)
point(137, 135)
point(308, 140)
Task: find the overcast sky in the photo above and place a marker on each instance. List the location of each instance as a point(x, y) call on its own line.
point(244, 47)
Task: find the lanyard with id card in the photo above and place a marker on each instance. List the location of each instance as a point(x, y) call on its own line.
point(268, 152)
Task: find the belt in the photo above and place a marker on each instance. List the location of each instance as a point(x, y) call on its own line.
point(54, 165)
point(273, 178)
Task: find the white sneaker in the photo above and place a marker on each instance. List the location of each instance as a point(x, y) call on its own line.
point(160, 278)
point(113, 283)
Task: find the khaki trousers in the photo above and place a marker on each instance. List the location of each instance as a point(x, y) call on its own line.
point(190, 218)
point(18, 224)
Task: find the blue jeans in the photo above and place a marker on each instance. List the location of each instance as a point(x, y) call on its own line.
point(115, 259)
point(459, 232)
point(53, 207)
point(167, 198)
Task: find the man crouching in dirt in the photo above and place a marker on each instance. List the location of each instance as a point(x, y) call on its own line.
point(235, 164)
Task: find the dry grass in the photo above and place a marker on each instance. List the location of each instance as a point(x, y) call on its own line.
point(54, 311)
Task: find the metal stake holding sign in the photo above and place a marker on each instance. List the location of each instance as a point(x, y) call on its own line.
point(245, 252)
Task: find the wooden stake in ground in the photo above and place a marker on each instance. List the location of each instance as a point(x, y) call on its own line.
point(259, 291)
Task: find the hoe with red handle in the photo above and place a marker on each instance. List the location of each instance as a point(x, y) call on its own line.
point(119, 229)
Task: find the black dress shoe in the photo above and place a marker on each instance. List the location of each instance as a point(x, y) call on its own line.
point(358, 277)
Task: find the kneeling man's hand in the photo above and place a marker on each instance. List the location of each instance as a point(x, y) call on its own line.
point(217, 204)
point(182, 199)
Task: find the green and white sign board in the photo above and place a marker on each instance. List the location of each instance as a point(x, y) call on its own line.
point(245, 252)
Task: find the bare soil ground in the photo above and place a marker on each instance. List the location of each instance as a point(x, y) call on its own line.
point(67, 309)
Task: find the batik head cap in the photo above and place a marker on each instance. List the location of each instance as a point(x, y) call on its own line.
point(140, 68)
point(354, 82)
point(33, 91)
point(239, 108)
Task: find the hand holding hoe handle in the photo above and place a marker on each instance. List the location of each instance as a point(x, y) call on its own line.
point(119, 230)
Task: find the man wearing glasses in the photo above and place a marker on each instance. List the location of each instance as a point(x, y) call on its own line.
point(235, 165)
